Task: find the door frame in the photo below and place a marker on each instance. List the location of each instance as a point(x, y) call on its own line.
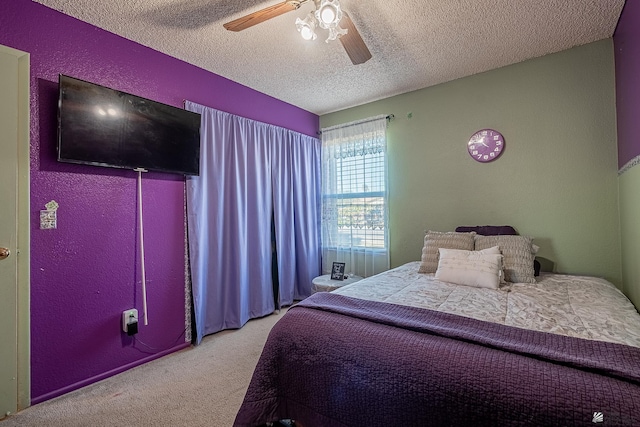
point(23, 379)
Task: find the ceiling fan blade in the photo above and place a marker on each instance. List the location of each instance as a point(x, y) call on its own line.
point(352, 42)
point(263, 15)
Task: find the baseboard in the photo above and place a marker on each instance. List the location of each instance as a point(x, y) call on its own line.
point(104, 375)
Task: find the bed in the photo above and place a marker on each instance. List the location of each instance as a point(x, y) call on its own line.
point(407, 347)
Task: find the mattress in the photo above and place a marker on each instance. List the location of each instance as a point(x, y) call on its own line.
point(576, 306)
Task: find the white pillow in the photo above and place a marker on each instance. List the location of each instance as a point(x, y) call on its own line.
point(482, 269)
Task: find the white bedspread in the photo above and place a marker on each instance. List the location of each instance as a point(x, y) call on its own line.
point(577, 306)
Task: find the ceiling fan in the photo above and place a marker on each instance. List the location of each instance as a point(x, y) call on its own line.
point(328, 15)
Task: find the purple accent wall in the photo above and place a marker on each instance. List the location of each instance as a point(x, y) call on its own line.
point(86, 272)
point(627, 56)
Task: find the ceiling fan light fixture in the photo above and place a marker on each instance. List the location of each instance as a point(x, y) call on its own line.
point(306, 27)
point(329, 13)
point(308, 34)
point(335, 32)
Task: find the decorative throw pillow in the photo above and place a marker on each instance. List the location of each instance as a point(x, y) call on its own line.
point(518, 253)
point(435, 240)
point(481, 269)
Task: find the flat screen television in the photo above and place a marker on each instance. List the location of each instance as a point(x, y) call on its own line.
point(106, 127)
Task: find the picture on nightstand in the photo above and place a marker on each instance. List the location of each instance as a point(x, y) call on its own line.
point(337, 271)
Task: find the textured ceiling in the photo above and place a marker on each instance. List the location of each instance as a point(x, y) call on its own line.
point(415, 43)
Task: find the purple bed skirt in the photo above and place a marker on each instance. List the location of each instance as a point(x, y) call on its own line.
point(339, 361)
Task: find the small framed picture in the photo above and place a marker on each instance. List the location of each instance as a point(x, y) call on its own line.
point(337, 271)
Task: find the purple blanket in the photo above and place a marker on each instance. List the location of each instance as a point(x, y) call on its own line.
point(339, 361)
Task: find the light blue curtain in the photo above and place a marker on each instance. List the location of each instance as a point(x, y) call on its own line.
point(297, 205)
point(246, 166)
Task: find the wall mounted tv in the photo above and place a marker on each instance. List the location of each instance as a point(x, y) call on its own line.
point(105, 127)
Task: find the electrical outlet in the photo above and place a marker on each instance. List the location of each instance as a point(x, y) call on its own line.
point(130, 321)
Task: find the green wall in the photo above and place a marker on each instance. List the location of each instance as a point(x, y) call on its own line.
point(556, 179)
point(629, 213)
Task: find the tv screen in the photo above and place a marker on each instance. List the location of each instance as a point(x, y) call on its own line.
point(106, 127)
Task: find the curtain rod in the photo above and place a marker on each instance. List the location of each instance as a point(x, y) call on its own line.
point(389, 117)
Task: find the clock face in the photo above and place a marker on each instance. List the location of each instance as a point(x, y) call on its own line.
point(485, 145)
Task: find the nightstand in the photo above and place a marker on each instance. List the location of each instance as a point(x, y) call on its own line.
point(325, 284)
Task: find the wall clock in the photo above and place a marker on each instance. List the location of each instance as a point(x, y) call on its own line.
point(485, 145)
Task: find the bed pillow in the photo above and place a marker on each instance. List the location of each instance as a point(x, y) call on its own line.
point(518, 253)
point(434, 240)
point(481, 269)
point(488, 230)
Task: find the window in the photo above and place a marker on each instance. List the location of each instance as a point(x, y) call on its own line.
point(354, 213)
point(354, 196)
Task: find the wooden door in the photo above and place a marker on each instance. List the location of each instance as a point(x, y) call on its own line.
point(14, 231)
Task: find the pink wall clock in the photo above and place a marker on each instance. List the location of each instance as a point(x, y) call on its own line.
point(485, 145)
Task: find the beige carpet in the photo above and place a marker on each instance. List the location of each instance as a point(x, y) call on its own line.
point(198, 386)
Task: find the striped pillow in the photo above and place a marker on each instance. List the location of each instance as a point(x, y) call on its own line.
point(434, 240)
point(518, 253)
